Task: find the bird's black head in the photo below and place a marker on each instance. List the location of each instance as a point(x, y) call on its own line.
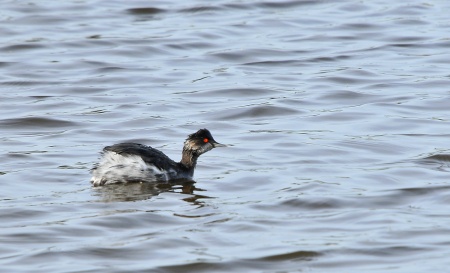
point(200, 142)
point(196, 144)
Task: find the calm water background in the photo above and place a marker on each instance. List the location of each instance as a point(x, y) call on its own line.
point(336, 114)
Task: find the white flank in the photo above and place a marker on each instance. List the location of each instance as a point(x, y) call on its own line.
point(115, 168)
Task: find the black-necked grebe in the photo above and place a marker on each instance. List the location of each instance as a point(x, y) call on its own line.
point(132, 162)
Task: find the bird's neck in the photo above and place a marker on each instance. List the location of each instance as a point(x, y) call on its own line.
point(189, 159)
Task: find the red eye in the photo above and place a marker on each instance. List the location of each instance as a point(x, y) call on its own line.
point(205, 140)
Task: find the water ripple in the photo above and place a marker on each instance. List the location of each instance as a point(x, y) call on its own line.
point(335, 114)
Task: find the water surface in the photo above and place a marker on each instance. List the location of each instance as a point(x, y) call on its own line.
point(335, 113)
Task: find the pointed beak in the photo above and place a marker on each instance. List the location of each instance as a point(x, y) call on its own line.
point(217, 144)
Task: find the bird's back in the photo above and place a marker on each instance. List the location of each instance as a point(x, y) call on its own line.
point(132, 162)
point(148, 154)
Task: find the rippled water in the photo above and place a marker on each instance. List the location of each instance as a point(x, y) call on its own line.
point(336, 114)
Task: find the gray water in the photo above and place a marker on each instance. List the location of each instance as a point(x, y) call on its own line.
point(336, 116)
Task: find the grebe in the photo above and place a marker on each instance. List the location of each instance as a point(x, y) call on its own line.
point(133, 162)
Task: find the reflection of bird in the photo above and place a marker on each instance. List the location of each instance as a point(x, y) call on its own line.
point(132, 162)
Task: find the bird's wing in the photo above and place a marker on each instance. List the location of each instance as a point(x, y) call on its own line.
point(148, 154)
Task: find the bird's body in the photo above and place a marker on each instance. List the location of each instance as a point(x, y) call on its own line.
point(133, 162)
